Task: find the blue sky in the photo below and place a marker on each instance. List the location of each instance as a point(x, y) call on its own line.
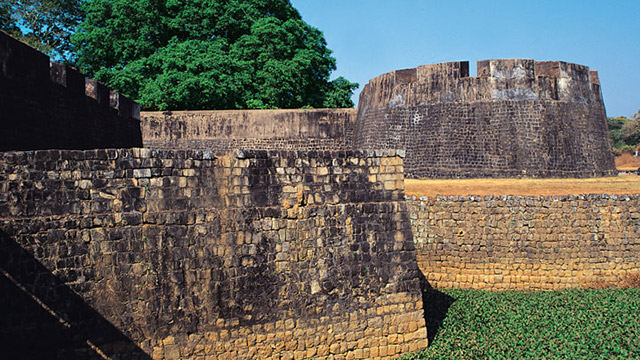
point(372, 37)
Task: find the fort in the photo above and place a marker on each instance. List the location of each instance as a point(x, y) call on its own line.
point(287, 233)
point(52, 106)
point(305, 129)
point(516, 118)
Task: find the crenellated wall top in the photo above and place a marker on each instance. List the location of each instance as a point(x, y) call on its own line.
point(498, 79)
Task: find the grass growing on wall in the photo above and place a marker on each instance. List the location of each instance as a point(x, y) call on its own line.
point(570, 324)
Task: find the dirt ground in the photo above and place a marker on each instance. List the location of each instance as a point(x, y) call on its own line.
point(623, 184)
point(627, 162)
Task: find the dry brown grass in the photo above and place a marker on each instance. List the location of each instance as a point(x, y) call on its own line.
point(623, 184)
point(630, 280)
point(627, 162)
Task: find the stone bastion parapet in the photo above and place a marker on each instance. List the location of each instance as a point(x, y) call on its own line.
point(500, 79)
point(48, 105)
point(518, 117)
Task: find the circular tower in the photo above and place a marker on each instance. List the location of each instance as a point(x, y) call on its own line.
point(517, 118)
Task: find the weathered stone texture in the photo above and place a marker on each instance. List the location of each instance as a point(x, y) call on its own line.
point(191, 256)
point(223, 130)
point(516, 242)
point(516, 118)
point(52, 106)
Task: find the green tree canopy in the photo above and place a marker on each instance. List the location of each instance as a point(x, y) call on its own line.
point(624, 132)
point(7, 23)
point(44, 24)
point(209, 54)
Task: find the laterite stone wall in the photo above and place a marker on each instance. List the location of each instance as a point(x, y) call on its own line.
point(48, 105)
point(517, 118)
point(185, 255)
point(224, 130)
point(526, 242)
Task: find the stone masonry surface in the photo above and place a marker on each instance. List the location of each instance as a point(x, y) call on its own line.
point(516, 118)
point(183, 250)
point(526, 242)
point(138, 254)
point(223, 130)
point(52, 106)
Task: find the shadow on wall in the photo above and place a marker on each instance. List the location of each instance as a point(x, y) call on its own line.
point(436, 304)
point(42, 318)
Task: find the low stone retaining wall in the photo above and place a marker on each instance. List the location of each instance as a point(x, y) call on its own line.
point(526, 242)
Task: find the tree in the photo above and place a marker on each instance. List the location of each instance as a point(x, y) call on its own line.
point(615, 131)
point(339, 93)
point(631, 130)
point(43, 24)
point(7, 23)
point(209, 54)
point(624, 133)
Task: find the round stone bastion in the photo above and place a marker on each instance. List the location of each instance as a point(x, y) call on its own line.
point(516, 118)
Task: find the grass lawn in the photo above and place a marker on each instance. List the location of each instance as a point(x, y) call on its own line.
point(570, 324)
point(623, 184)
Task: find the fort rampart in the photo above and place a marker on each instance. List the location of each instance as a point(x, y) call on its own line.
point(184, 250)
point(52, 106)
point(516, 118)
point(527, 242)
point(223, 130)
point(180, 255)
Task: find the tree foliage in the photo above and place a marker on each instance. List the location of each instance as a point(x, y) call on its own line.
point(624, 132)
point(209, 54)
point(7, 23)
point(44, 24)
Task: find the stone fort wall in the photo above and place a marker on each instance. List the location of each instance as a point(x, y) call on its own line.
point(223, 130)
point(183, 255)
point(177, 253)
point(52, 106)
point(516, 118)
point(527, 242)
